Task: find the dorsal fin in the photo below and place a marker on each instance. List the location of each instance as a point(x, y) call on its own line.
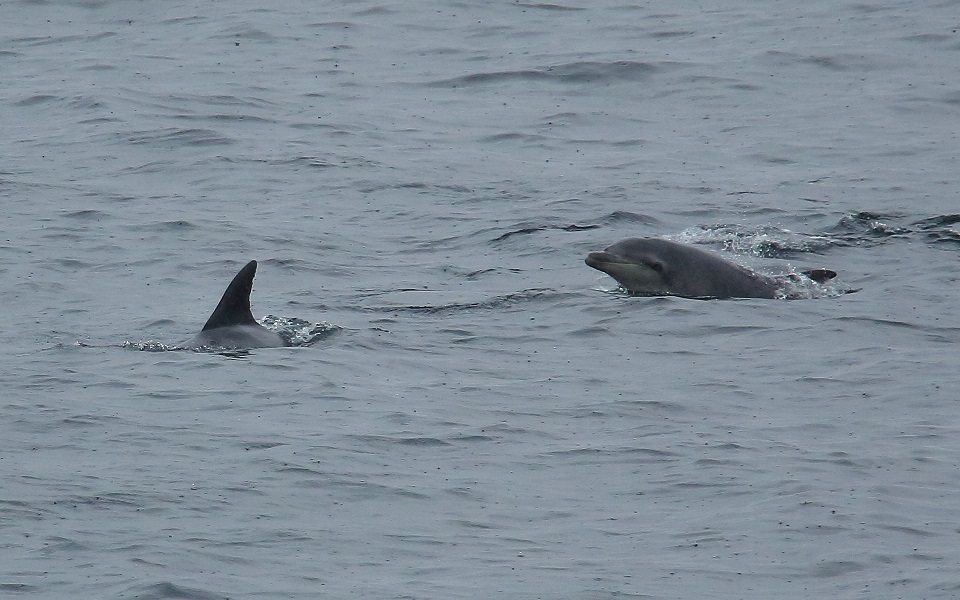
point(234, 307)
point(820, 275)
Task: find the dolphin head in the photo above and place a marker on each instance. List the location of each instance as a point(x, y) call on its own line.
point(639, 265)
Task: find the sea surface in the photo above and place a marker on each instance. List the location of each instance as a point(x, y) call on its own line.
point(471, 412)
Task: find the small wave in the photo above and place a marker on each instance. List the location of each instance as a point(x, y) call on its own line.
point(85, 214)
point(220, 100)
point(569, 73)
point(148, 346)
point(510, 137)
point(797, 286)
point(38, 99)
point(869, 224)
point(835, 568)
point(623, 216)
point(165, 590)
point(761, 242)
point(836, 62)
point(547, 6)
point(496, 303)
point(247, 34)
point(178, 137)
point(248, 118)
point(870, 228)
point(298, 332)
point(941, 229)
point(49, 40)
point(536, 228)
point(87, 103)
point(636, 454)
point(18, 588)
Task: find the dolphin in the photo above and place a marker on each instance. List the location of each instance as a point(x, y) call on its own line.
point(655, 267)
point(232, 324)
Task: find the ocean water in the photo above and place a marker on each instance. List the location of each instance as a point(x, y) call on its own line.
point(477, 413)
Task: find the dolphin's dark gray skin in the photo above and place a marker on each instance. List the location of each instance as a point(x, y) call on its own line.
point(655, 267)
point(232, 324)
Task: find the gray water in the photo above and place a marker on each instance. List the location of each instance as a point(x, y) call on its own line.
point(484, 416)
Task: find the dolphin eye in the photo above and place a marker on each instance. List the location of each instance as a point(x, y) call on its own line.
point(657, 266)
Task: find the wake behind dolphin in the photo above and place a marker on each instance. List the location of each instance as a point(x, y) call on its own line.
point(232, 325)
point(655, 267)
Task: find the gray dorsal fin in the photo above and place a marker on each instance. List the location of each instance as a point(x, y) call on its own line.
point(234, 307)
point(820, 275)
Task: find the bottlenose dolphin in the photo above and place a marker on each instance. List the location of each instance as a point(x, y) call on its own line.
point(655, 267)
point(232, 324)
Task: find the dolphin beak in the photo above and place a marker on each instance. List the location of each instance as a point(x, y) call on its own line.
point(598, 259)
